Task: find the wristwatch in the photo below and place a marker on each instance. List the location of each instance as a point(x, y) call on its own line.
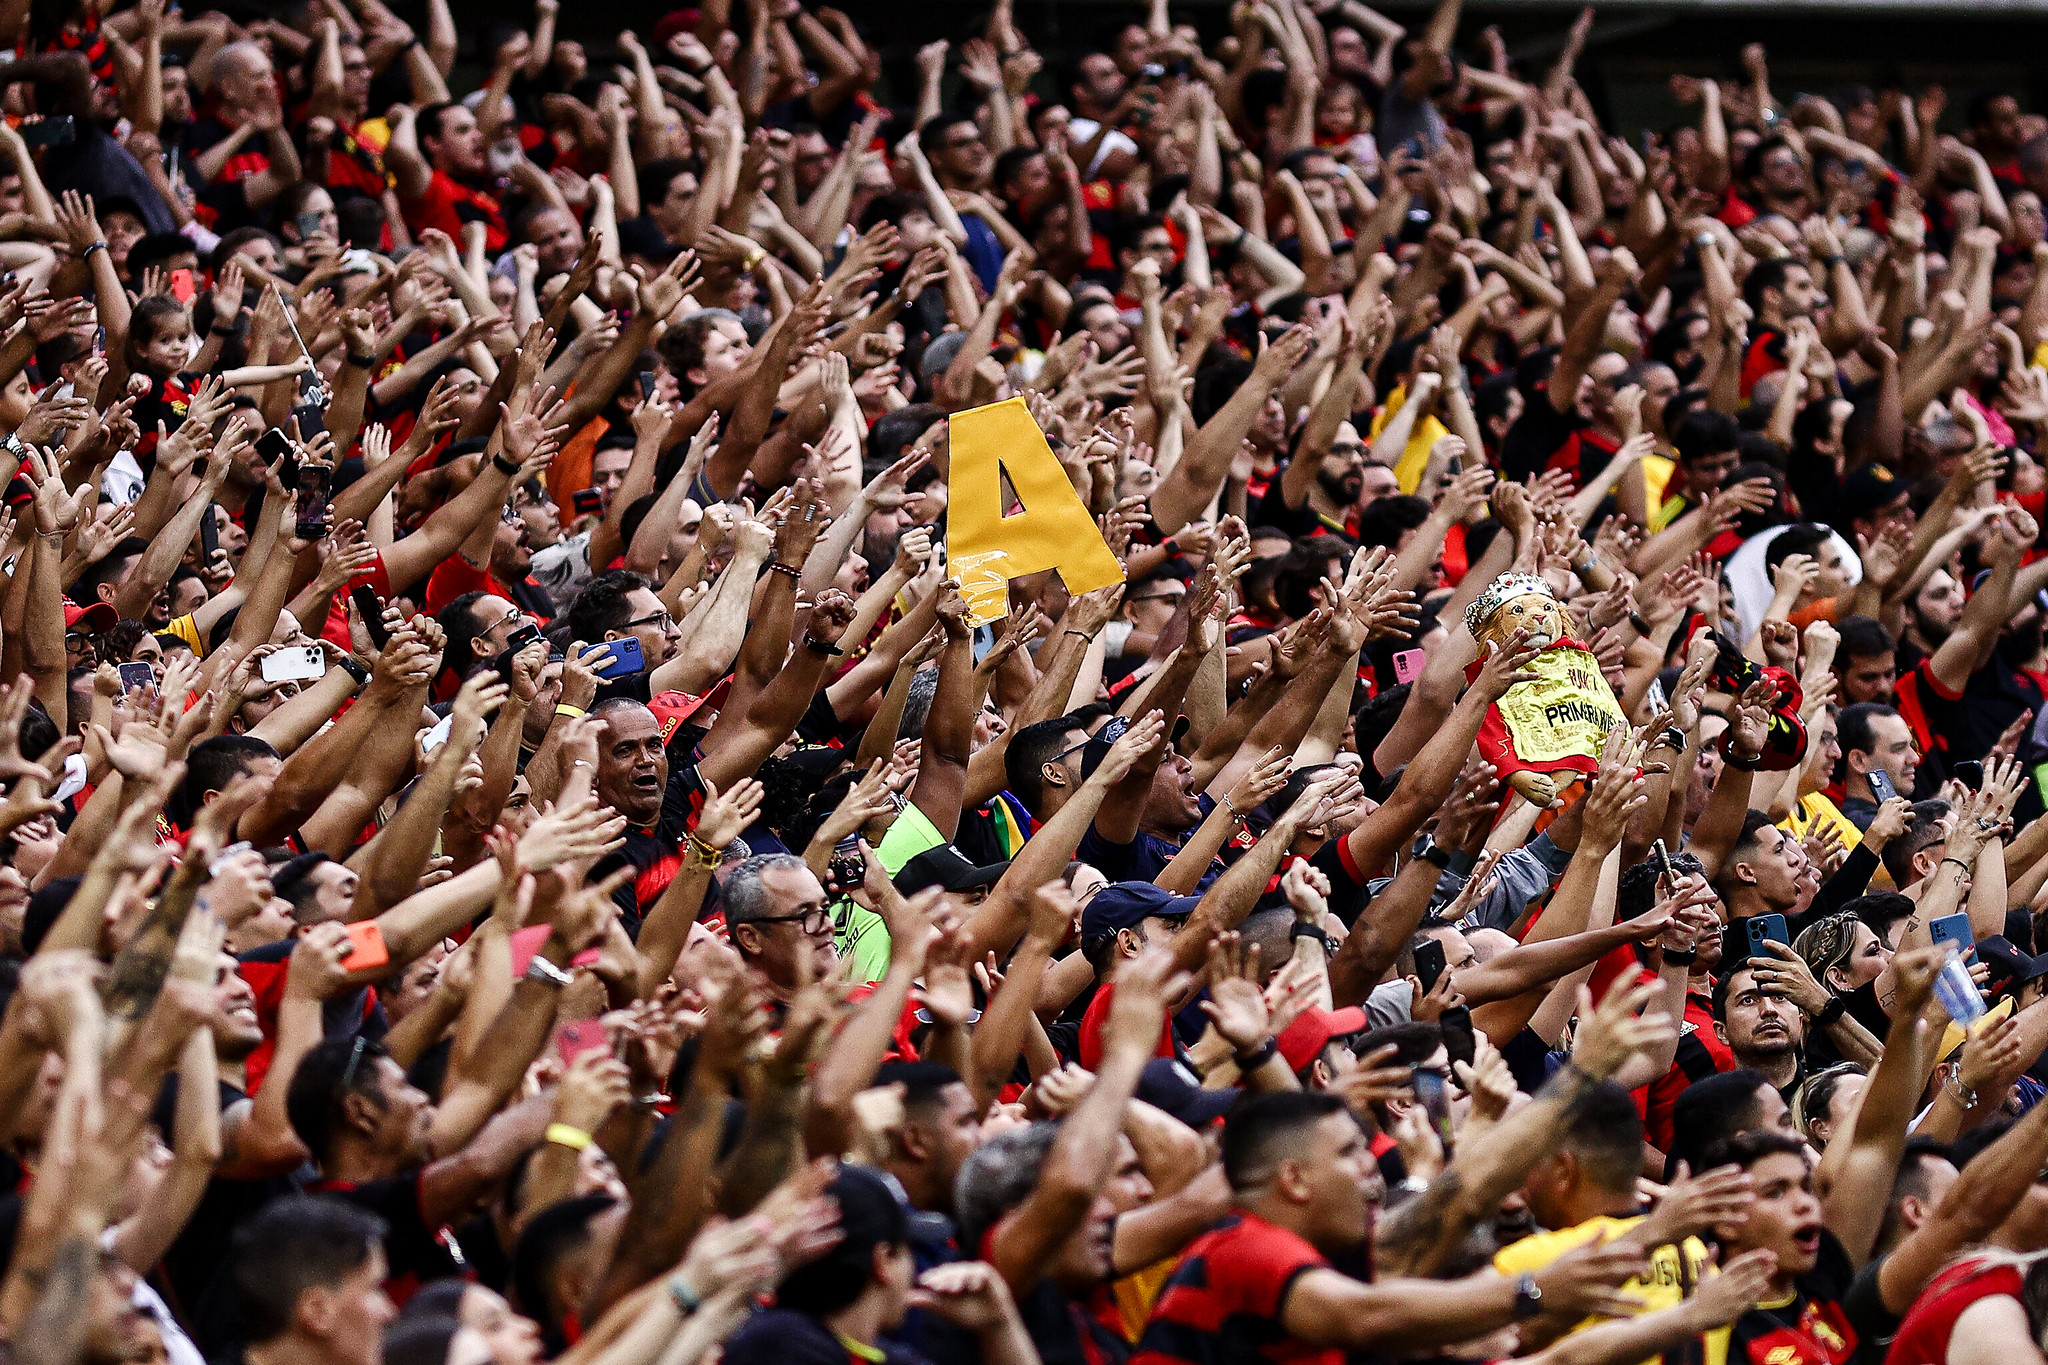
point(1429, 850)
point(547, 973)
point(1528, 1297)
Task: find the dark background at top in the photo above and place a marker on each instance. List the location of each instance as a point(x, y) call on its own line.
point(1632, 52)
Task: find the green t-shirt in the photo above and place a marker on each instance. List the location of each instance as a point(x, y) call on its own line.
point(862, 935)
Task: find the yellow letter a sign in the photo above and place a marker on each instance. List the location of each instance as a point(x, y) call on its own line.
point(986, 549)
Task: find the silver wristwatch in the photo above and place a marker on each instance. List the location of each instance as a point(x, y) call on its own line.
point(547, 973)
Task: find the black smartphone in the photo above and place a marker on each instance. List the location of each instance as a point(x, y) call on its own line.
point(308, 223)
point(1429, 964)
point(310, 506)
point(209, 537)
point(1880, 785)
point(56, 131)
point(1970, 773)
point(586, 502)
point(1459, 1043)
point(280, 454)
point(372, 612)
point(648, 381)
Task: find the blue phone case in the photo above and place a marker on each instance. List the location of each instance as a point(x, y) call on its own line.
point(626, 659)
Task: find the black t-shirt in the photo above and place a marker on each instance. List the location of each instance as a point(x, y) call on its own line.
point(1875, 1324)
point(195, 1282)
point(1539, 433)
point(782, 1336)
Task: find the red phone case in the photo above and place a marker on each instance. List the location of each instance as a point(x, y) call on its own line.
point(579, 1036)
point(366, 947)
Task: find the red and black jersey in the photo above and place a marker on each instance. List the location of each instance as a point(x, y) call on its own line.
point(85, 38)
point(418, 1252)
point(1810, 1328)
point(353, 164)
point(1225, 1300)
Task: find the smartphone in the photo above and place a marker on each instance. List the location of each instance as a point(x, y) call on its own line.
point(1429, 964)
point(136, 677)
point(1880, 785)
point(209, 537)
point(1764, 929)
point(365, 947)
point(522, 637)
point(1953, 930)
point(579, 1036)
point(279, 453)
point(182, 288)
point(295, 663)
point(99, 341)
point(372, 612)
point(310, 506)
point(1408, 664)
point(308, 223)
point(1435, 1098)
point(624, 658)
point(648, 380)
point(1663, 856)
point(56, 131)
point(848, 867)
point(586, 502)
point(1970, 773)
point(1459, 1043)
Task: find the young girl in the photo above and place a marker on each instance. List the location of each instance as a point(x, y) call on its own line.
point(163, 350)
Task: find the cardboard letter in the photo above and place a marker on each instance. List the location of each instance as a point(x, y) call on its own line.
point(986, 549)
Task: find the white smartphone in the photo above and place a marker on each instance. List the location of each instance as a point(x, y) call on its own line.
point(295, 663)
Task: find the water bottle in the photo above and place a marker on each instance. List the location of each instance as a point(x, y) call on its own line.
point(1957, 992)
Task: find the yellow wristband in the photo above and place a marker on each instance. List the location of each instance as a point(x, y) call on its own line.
point(563, 708)
point(574, 1138)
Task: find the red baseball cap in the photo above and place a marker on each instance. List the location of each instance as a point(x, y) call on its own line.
point(98, 617)
point(673, 707)
point(1307, 1036)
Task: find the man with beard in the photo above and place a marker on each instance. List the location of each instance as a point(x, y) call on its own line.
point(1960, 699)
point(1765, 1032)
point(1320, 488)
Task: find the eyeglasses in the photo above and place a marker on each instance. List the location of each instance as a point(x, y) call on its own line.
point(811, 922)
point(660, 618)
point(355, 1060)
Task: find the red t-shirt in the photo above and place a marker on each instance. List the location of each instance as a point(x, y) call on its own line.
point(1088, 1044)
point(448, 204)
point(1923, 1335)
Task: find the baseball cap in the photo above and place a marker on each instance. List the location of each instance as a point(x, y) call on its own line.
point(1126, 905)
point(1312, 1032)
point(1867, 488)
point(946, 867)
point(1100, 742)
point(672, 708)
point(2010, 968)
point(97, 617)
point(1166, 1084)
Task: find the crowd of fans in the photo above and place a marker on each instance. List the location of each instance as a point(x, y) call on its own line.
point(514, 846)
